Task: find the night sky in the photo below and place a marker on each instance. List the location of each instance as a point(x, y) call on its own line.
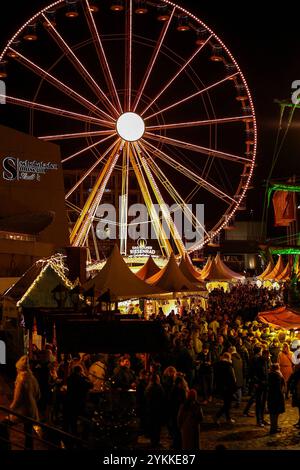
point(266, 44)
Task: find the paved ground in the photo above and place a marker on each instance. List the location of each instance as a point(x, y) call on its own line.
point(244, 434)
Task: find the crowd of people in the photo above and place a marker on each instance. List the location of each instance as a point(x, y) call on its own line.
point(216, 358)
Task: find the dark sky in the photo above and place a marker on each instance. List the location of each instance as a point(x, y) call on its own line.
point(266, 44)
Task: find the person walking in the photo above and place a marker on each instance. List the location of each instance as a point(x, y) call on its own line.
point(275, 400)
point(177, 397)
point(285, 363)
point(225, 383)
point(261, 364)
point(205, 374)
point(155, 402)
point(190, 416)
point(78, 386)
point(294, 387)
point(26, 396)
point(237, 364)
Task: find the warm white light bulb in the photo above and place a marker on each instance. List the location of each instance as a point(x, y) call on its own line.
point(130, 127)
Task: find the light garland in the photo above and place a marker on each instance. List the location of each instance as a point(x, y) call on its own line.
point(56, 262)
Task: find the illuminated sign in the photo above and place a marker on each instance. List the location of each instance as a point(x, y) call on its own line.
point(15, 169)
point(142, 249)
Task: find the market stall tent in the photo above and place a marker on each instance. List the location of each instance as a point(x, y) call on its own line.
point(276, 271)
point(224, 268)
point(286, 273)
point(218, 271)
point(206, 268)
point(283, 317)
point(149, 269)
point(267, 271)
point(187, 268)
point(172, 279)
point(34, 288)
point(116, 278)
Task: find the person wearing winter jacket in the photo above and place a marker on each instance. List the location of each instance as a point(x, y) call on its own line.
point(276, 398)
point(26, 396)
point(190, 416)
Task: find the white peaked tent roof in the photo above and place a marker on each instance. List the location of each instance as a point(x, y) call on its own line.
point(171, 279)
point(218, 271)
point(117, 278)
point(214, 273)
point(188, 270)
point(220, 263)
point(286, 273)
point(149, 269)
point(267, 271)
point(277, 270)
point(206, 268)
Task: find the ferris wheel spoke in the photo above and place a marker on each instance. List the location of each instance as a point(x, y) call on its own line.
point(197, 148)
point(128, 56)
point(193, 95)
point(164, 208)
point(92, 168)
point(81, 228)
point(80, 68)
point(208, 122)
point(182, 205)
point(161, 236)
point(102, 57)
point(73, 207)
point(187, 63)
point(56, 83)
point(212, 188)
point(51, 110)
point(76, 135)
point(156, 51)
point(124, 200)
point(85, 149)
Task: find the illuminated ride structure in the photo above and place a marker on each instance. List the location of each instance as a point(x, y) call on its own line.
point(145, 89)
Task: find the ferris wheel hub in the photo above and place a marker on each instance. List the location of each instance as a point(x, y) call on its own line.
point(130, 127)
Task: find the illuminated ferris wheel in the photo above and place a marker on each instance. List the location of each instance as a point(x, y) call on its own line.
point(143, 88)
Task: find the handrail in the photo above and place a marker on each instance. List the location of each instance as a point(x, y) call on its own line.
point(2, 439)
point(35, 437)
point(53, 429)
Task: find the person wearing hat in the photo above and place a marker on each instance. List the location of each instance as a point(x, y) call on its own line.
point(26, 395)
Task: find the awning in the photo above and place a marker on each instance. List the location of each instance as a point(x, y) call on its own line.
point(282, 317)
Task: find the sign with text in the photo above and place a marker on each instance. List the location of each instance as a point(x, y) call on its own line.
point(14, 169)
point(142, 249)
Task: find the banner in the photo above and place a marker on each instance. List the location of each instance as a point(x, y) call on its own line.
point(284, 208)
